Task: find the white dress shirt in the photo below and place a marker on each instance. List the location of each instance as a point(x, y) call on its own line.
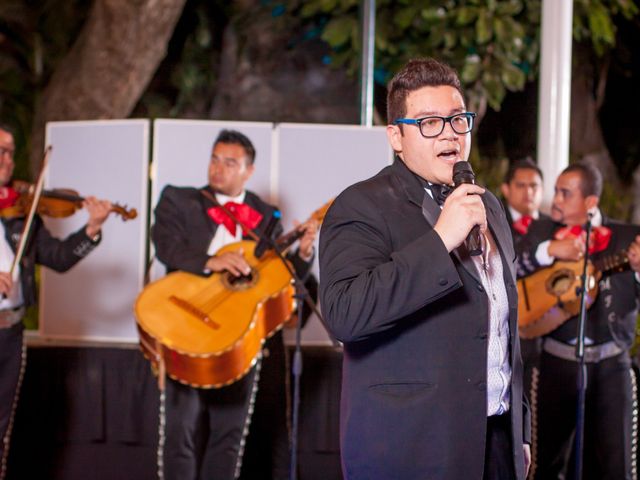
point(489, 267)
point(14, 299)
point(223, 236)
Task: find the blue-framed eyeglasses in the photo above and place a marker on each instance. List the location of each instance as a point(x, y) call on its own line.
point(433, 126)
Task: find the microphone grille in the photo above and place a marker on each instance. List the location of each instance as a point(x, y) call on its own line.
point(463, 173)
point(462, 167)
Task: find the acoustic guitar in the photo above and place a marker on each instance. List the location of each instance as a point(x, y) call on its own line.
point(207, 332)
point(551, 296)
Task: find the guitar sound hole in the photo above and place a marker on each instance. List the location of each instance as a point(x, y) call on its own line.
point(242, 279)
point(243, 282)
point(559, 283)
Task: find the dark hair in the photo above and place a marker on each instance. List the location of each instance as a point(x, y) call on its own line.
point(417, 73)
point(236, 138)
point(590, 178)
point(6, 128)
point(523, 164)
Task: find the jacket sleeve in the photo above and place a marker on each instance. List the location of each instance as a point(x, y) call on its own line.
point(170, 235)
point(527, 246)
point(61, 255)
point(367, 285)
point(302, 267)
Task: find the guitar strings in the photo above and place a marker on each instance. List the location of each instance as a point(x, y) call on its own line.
point(206, 302)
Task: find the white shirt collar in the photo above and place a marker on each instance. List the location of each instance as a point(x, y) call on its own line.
point(596, 220)
point(222, 198)
point(516, 215)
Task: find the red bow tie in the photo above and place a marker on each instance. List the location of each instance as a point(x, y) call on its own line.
point(599, 240)
point(247, 216)
point(522, 224)
point(8, 197)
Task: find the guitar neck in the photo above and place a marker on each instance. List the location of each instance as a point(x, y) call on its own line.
point(285, 241)
point(288, 239)
point(617, 261)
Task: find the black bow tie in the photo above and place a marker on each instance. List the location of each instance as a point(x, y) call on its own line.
point(440, 192)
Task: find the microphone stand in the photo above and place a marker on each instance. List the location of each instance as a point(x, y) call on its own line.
point(301, 294)
point(582, 367)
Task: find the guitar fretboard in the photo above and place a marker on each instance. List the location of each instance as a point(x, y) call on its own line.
point(617, 261)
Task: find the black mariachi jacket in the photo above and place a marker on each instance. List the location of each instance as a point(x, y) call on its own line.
point(44, 249)
point(183, 230)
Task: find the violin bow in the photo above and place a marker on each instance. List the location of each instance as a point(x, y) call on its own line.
point(24, 236)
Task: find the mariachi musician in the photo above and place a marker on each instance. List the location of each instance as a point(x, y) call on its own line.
point(42, 248)
point(610, 332)
point(205, 429)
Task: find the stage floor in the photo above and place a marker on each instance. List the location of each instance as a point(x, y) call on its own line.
point(93, 413)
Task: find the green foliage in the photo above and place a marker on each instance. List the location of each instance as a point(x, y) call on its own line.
point(594, 20)
point(494, 44)
point(489, 171)
point(616, 203)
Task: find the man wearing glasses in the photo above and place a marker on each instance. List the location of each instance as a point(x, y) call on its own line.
point(432, 380)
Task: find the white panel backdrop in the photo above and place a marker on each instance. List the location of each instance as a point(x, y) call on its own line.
point(299, 167)
point(317, 162)
point(181, 154)
point(93, 301)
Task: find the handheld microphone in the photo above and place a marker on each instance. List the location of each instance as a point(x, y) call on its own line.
point(266, 241)
point(463, 173)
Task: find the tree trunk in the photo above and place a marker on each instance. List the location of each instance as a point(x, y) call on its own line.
point(109, 66)
point(587, 95)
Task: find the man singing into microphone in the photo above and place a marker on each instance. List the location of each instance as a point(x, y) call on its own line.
point(432, 380)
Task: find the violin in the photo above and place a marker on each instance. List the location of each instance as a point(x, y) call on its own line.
point(56, 203)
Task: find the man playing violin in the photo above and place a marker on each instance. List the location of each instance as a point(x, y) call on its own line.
point(610, 332)
point(205, 429)
point(19, 291)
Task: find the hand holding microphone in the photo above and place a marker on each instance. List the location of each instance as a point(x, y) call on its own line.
point(463, 216)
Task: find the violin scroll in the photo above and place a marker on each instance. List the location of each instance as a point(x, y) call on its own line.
point(124, 212)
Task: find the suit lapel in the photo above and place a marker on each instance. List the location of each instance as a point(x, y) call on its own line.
point(500, 235)
point(206, 205)
point(430, 209)
point(462, 254)
point(417, 195)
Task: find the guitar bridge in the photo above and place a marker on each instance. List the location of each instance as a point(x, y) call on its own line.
point(193, 310)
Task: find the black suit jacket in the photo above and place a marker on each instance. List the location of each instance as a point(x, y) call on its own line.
point(43, 249)
point(183, 230)
point(414, 322)
point(613, 314)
